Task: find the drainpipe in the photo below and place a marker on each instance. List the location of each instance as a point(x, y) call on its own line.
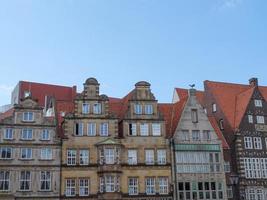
point(173, 169)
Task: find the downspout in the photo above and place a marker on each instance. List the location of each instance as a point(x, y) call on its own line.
point(174, 177)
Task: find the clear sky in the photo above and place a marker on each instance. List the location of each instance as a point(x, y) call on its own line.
point(166, 42)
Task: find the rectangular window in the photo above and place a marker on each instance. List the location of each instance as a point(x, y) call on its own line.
point(250, 119)
point(132, 129)
point(46, 154)
point(45, 135)
point(195, 135)
point(150, 185)
point(148, 109)
point(45, 179)
point(91, 129)
point(97, 108)
point(109, 156)
point(144, 129)
point(133, 186)
point(28, 116)
point(214, 107)
point(138, 109)
point(26, 153)
point(104, 129)
point(84, 187)
point(227, 167)
point(257, 143)
point(70, 187)
point(149, 157)
point(248, 142)
point(84, 157)
point(258, 103)
point(194, 115)
point(85, 108)
point(184, 135)
point(161, 155)
point(206, 135)
point(26, 134)
point(5, 152)
point(71, 157)
point(156, 129)
point(8, 134)
point(110, 183)
point(221, 124)
point(25, 180)
point(252, 167)
point(260, 119)
point(4, 180)
point(79, 129)
point(163, 185)
point(132, 157)
point(229, 192)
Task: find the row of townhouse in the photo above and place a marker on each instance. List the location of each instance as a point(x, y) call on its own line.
point(56, 143)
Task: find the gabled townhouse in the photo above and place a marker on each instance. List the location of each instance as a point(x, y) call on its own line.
point(29, 153)
point(240, 110)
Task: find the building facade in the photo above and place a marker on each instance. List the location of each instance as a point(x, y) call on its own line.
point(30, 154)
point(198, 162)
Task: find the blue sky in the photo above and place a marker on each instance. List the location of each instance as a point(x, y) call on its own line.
point(168, 43)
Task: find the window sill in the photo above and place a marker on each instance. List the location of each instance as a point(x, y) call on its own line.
point(26, 139)
point(6, 139)
point(26, 121)
point(6, 159)
point(24, 190)
point(45, 191)
point(43, 140)
point(26, 159)
point(46, 159)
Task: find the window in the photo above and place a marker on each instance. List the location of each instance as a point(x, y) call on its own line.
point(70, 187)
point(150, 185)
point(229, 191)
point(45, 135)
point(25, 180)
point(71, 157)
point(110, 183)
point(5, 152)
point(214, 107)
point(83, 187)
point(132, 129)
point(104, 129)
point(161, 155)
point(26, 153)
point(227, 167)
point(133, 186)
point(4, 180)
point(46, 154)
point(258, 103)
point(253, 167)
point(28, 116)
point(144, 129)
point(8, 134)
point(206, 135)
point(260, 119)
point(163, 185)
point(109, 156)
point(138, 109)
point(132, 157)
point(214, 159)
point(156, 129)
point(27, 93)
point(257, 143)
point(149, 109)
point(149, 157)
point(101, 184)
point(250, 119)
point(79, 129)
point(26, 134)
point(184, 135)
point(97, 108)
point(45, 180)
point(91, 129)
point(248, 142)
point(255, 193)
point(194, 115)
point(84, 157)
point(195, 135)
point(221, 124)
point(85, 108)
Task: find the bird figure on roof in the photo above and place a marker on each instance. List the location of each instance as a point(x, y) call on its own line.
point(192, 85)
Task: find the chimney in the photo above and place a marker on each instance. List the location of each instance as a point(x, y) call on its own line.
point(192, 92)
point(253, 82)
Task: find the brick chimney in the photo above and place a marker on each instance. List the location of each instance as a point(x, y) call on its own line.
point(253, 82)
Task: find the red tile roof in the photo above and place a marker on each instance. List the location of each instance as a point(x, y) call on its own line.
point(183, 93)
point(6, 114)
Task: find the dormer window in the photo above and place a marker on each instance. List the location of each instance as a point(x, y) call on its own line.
point(221, 124)
point(194, 116)
point(138, 109)
point(214, 107)
point(97, 108)
point(85, 108)
point(148, 109)
point(28, 116)
point(258, 103)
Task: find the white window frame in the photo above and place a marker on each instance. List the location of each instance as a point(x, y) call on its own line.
point(45, 135)
point(84, 186)
point(8, 134)
point(85, 108)
point(248, 143)
point(133, 186)
point(45, 178)
point(194, 115)
point(258, 102)
point(27, 134)
point(28, 116)
point(214, 107)
point(110, 183)
point(227, 167)
point(109, 155)
point(144, 129)
point(250, 119)
point(184, 135)
point(150, 184)
point(104, 129)
point(4, 181)
point(156, 129)
point(148, 109)
point(25, 178)
point(80, 126)
point(70, 187)
point(138, 109)
point(71, 156)
point(194, 134)
point(260, 119)
point(132, 156)
point(229, 192)
point(84, 156)
point(161, 156)
point(46, 153)
point(149, 157)
point(163, 185)
point(97, 109)
point(28, 154)
point(4, 152)
point(132, 129)
point(206, 135)
point(91, 129)
point(257, 142)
